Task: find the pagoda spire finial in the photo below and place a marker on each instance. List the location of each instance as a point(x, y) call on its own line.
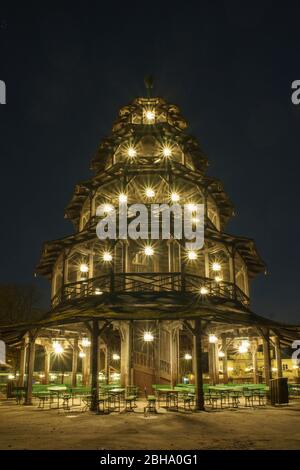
point(149, 83)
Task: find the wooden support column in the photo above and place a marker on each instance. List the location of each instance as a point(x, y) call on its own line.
point(254, 346)
point(94, 360)
point(267, 358)
point(125, 354)
point(47, 350)
point(224, 360)
point(217, 365)
point(174, 350)
point(22, 367)
point(86, 365)
point(157, 347)
point(107, 362)
point(75, 362)
point(198, 365)
point(278, 357)
point(30, 367)
point(213, 363)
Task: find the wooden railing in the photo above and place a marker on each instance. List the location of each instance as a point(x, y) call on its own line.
point(149, 282)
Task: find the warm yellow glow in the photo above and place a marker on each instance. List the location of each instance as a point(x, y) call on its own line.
point(107, 256)
point(187, 357)
point(167, 151)
point(191, 207)
point(295, 367)
point(216, 267)
point(195, 220)
point(150, 192)
point(148, 250)
point(218, 279)
point(131, 152)
point(122, 198)
point(192, 255)
point(57, 347)
point(116, 357)
point(212, 339)
point(85, 342)
point(221, 354)
point(98, 291)
point(11, 377)
point(108, 208)
point(150, 115)
point(203, 290)
point(274, 369)
point(244, 347)
point(175, 197)
point(84, 268)
point(230, 369)
point(148, 336)
point(82, 354)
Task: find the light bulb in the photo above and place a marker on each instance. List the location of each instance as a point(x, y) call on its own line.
point(175, 197)
point(216, 267)
point(131, 152)
point(212, 339)
point(107, 208)
point(84, 268)
point(57, 347)
point(85, 342)
point(116, 357)
point(203, 291)
point(221, 354)
point(107, 256)
point(150, 192)
point(98, 291)
point(150, 115)
point(148, 250)
point(148, 336)
point(82, 354)
point(122, 198)
point(191, 207)
point(244, 347)
point(192, 255)
point(187, 357)
point(167, 152)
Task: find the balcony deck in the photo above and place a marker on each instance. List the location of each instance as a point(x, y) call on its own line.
point(149, 282)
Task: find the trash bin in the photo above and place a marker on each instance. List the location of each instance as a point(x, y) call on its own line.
point(279, 393)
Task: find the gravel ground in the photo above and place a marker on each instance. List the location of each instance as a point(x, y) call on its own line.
point(265, 428)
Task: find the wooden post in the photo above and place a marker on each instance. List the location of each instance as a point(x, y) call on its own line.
point(254, 361)
point(198, 366)
point(22, 363)
point(130, 353)
point(278, 357)
point(30, 368)
point(267, 358)
point(47, 363)
point(125, 352)
point(157, 352)
point(107, 363)
point(174, 336)
point(216, 361)
point(86, 362)
point(95, 381)
point(224, 360)
point(213, 363)
point(74, 362)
